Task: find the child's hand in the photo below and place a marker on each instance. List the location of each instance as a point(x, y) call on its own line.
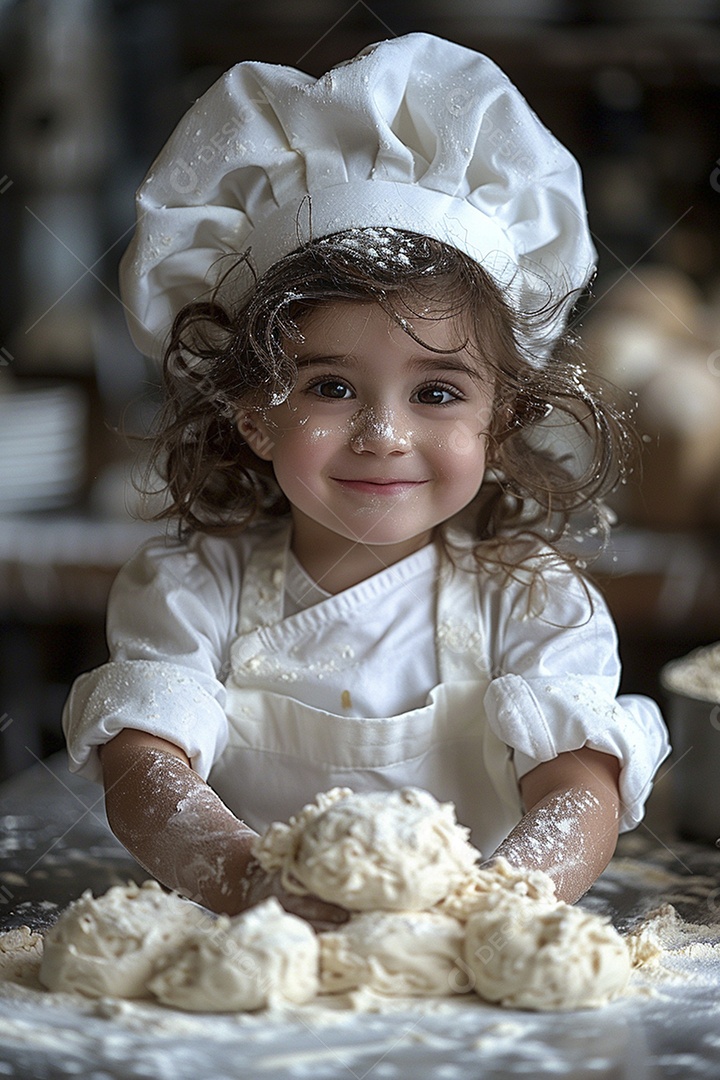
point(319, 913)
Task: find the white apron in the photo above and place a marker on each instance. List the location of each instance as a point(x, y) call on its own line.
point(281, 752)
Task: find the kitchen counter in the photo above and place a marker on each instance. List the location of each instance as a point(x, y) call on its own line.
point(54, 843)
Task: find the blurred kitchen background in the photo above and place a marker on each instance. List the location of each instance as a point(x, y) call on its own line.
point(90, 89)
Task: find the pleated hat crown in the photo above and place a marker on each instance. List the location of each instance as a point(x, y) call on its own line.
point(415, 133)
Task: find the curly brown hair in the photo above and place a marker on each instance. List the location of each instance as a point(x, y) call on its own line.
point(557, 444)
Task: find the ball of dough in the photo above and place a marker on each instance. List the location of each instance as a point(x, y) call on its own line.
point(412, 953)
point(529, 955)
point(262, 957)
point(389, 851)
point(109, 946)
point(471, 894)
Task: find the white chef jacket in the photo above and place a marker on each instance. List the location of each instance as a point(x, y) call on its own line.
point(544, 657)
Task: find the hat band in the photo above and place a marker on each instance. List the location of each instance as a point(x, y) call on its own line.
point(383, 203)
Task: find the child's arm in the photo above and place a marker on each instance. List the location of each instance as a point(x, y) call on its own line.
point(179, 830)
point(570, 828)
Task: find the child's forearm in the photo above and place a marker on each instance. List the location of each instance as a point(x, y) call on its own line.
point(179, 829)
point(567, 838)
point(571, 827)
point(176, 826)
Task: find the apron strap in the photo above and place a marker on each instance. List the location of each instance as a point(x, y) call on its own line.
point(460, 641)
point(263, 586)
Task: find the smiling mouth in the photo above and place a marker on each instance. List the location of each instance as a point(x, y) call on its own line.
point(378, 486)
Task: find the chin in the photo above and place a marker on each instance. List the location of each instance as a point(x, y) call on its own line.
point(384, 538)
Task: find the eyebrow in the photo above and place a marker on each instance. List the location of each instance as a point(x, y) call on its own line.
point(434, 362)
point(446, 362)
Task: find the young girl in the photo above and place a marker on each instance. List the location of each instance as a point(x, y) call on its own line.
point(367, 280)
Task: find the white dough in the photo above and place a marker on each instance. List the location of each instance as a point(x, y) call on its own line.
point(411, 953)
point(429, 922)
point(528, 954)
point(388, 851)
point(471, 894)
point(262, 957)
point(110, 945)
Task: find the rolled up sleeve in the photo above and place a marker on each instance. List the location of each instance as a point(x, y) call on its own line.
point(558, 673)
point(169, 626)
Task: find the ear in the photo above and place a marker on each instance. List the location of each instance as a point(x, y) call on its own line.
point(256, 433)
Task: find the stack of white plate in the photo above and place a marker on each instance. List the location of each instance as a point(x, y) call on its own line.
point(42, 447)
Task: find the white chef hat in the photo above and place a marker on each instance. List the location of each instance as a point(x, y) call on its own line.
point(415, 133)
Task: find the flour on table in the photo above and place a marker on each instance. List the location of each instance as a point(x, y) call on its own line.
point(397, 953)
point(261, 958)
point(648, 940)
point(662, 939)
point(110, 945)
point(379, 851)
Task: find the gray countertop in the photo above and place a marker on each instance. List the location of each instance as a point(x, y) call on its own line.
point(54, 843)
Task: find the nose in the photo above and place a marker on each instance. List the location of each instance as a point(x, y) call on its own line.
point(379, 431)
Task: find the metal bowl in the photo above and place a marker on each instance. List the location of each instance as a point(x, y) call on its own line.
point(695, 733)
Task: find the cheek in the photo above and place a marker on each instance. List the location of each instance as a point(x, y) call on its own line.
point(463, 447)
point(320, 437)
point(302, 451)
point(298, 427)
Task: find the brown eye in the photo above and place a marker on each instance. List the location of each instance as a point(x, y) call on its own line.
point(331, 388)
point(436, 395)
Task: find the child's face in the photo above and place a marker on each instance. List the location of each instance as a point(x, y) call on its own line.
point(381, 439)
